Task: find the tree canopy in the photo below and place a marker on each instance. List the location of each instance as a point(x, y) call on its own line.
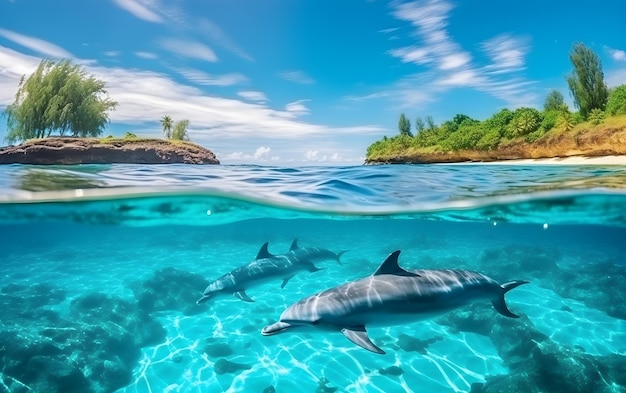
point(616, 105)
point(554, 102)
point(166, 123)
point(587, 80)
point(404, 125)
point(180, 130)
point(59, 97)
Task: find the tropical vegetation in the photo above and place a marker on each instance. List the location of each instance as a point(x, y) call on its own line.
point(59, 98)
point(175, 131)
point(507, 133)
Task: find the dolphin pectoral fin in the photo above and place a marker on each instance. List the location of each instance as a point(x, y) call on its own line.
point(390, 266)
point(243, 296)
point(500, 304)
point(286, 280)
point(358, 335)
point(263, 252)
point(294, 245)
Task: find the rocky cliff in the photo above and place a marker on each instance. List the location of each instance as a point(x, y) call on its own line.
point(68, 151)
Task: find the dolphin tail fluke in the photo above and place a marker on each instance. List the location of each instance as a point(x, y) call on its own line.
point(500, 305)
point(339, 254)
point(358, 335)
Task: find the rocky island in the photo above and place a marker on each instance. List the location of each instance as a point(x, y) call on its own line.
point(70, 151)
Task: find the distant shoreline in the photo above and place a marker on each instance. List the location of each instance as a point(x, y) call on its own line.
point(572, 160)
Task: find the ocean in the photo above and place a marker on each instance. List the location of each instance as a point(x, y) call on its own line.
point(101, 267)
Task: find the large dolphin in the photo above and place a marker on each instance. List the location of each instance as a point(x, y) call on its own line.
point(391, 296)
point(266, 267)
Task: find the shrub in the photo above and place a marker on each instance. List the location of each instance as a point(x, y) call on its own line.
point(616, 105)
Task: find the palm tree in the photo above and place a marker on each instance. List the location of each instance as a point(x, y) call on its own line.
point(180, 130)
point(166, 123)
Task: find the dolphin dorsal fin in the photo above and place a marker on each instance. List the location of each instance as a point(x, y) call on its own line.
point(390, 266)
point(294, 245)
point(263, 253)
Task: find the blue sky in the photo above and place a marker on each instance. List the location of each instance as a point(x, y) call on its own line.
point(308, 82)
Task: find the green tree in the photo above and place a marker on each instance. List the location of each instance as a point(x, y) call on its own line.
point(419, 125)
point(616, 104)
point(430, 123)
point(587, 80)
point(596, 116)
point(404, 125)
point(59, 97)
point(166, 124)
point(524, 121)
point(180, 130)
point(554, 102)
point(566, 122)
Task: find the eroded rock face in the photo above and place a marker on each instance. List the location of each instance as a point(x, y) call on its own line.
point(69, 151)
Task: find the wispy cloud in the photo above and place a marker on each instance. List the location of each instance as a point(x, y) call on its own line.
point(146, 55)
point(142, 9)
point(297, 108)
point(189, 49)
point(444, 65)
point(217, 35)
point(297, 77)
point(616, 54)
point(507, 53)
point(35, 44)
point(206, 79)
point(255, 96)
point(112, 53)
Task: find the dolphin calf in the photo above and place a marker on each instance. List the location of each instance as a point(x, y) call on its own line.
point(391, 296)
point(266, 267)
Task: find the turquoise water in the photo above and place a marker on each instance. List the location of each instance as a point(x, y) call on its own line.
point(101, 267)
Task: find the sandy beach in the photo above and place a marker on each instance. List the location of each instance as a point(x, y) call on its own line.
point(576, 160)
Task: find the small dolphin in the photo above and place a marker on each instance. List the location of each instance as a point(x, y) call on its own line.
point(266, 267)
point(391, 296)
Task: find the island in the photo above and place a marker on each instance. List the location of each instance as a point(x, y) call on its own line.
point(71, 151)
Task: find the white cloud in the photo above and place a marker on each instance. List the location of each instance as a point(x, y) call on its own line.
point(297, 77)
point(112, 53)
point(507, 53)
point(256, 96)
point(311, 155)
point(146, 55)
point(35, 44)
point(297, 108)
point(261, 153)
point(140, 9)
point(189, 49)
point(445, 65)
point(203, 78)
point(617, 54)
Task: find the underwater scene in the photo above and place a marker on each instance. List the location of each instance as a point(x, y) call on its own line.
point(425, 278)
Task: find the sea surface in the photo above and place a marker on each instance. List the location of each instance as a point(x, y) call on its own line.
point(101, 267)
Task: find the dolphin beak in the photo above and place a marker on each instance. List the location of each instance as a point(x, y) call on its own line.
point(275, 328)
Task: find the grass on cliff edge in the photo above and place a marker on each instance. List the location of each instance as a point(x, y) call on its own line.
point(132, 138)
point(584, 139)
